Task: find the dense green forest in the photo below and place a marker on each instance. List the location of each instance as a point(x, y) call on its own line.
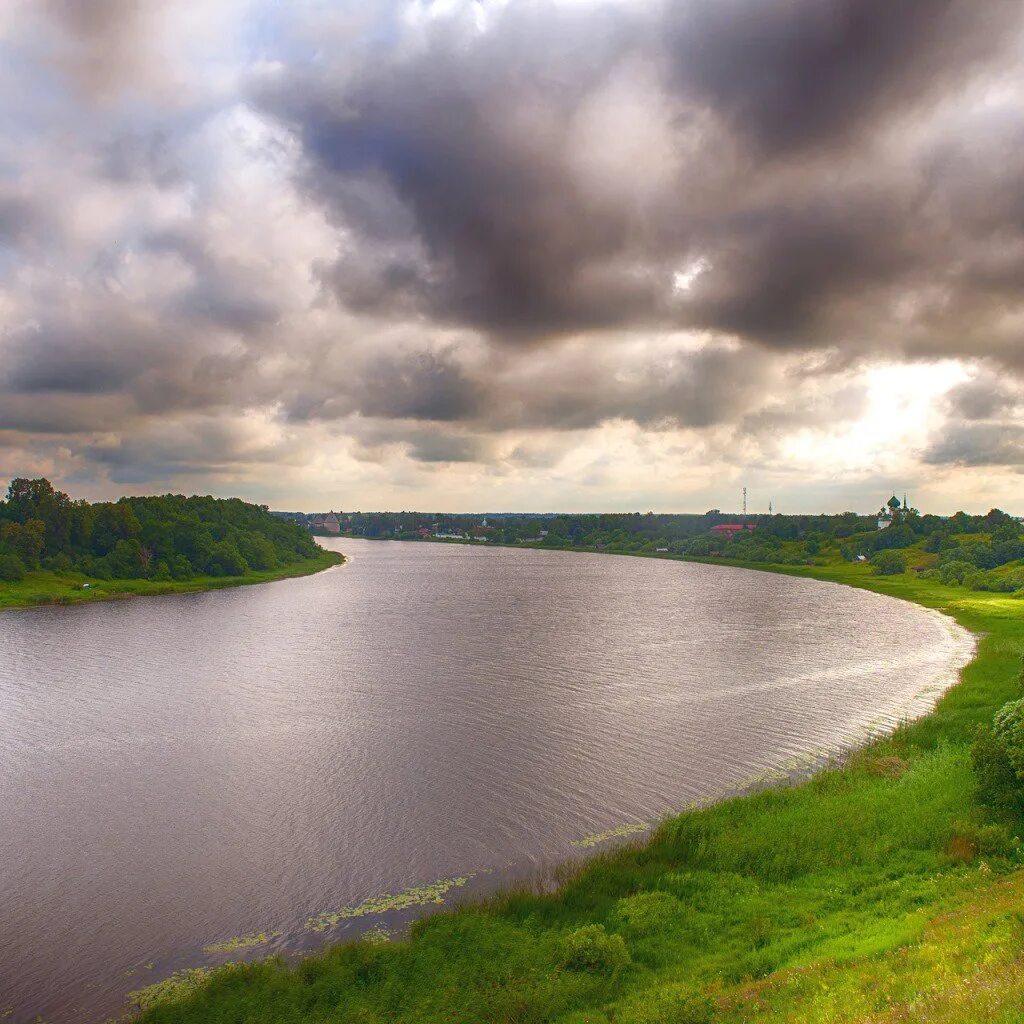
point(982, 552)
point(163, 538)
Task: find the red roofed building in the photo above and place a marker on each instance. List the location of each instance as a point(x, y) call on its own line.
point(731, 529)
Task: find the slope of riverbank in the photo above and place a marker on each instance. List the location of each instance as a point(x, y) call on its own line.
point(42, 587)
point(879, 890)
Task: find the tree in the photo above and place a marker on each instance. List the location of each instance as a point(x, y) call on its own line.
point(12, 568)
point(24, 540)
point(181, 568)
point(889, 563)
point(998, 759)
point(954, 571)
point(145, 537)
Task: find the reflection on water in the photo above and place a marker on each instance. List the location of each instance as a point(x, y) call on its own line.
point(190, 771)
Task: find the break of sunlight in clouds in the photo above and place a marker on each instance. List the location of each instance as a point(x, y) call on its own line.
point(588, 254)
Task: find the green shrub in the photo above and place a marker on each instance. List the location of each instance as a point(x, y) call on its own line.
point(1008, 727)
point(998, 759)
point(969, 840)
point(889, 563)
point(181, 568)
point(954, 571)
point(592, 949)
point(12, 568)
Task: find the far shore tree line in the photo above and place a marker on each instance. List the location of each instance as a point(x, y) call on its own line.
point(169, 537)
point(983, 552)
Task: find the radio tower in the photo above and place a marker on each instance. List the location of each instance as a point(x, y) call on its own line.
point(744, 503)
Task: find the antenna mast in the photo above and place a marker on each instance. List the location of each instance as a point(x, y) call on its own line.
point(744, 503)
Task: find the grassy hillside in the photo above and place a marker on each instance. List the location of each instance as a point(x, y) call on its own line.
point(879, 891)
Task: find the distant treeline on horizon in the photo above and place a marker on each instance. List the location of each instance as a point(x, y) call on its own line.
point(959, 548)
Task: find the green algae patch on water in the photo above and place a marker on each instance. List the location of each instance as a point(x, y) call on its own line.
point(240, 942)
point(378, 935)
point(170, 990)
point(417, 896)
point(613, 833)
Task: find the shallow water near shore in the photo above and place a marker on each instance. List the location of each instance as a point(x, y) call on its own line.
point(188, 780)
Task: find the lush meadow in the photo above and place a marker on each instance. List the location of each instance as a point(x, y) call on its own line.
point(879, 890)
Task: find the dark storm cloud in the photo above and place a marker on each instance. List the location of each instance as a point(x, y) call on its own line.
point(570, 389)
point(979, 444)
point(68, 360)
point(470, 147)
point(666, 390)
point(778, 273)
point(982, 428)
point(444, 443)
point(795, 73)
point(982, 398)
point(426, 386)
point(469, 143)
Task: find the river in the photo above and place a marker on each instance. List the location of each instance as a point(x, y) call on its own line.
point(177, 772)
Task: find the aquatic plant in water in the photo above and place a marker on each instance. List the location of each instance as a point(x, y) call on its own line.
point(240, 942)
point(378, 935)
point(179, 984)
point(417, 896)
point(613, 833)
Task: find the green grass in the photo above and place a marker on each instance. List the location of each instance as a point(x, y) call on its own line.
point(41, 587)
point(874, 891)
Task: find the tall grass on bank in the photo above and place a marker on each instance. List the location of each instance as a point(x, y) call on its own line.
point(877, 891)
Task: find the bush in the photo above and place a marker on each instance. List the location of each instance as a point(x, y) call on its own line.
point(592, 949)
point(181, 568)
point(969, 840)
point(161, 572)
point(226, 560)
point(998, 759)
point(1008, 728)
point(889, 563)
point(955, 571)
point(12, 568)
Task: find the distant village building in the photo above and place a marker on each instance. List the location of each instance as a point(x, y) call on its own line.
point(331, 524)
point(731, 529)
point(892, 512)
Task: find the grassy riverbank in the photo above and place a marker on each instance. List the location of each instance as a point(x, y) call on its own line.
point(42, 587)
point(878, 891)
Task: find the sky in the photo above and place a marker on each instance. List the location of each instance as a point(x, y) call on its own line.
point(579, 255)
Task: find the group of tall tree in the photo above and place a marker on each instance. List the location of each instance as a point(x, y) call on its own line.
point(163, 538)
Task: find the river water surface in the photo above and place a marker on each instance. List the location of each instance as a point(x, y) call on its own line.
point(179, 771)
